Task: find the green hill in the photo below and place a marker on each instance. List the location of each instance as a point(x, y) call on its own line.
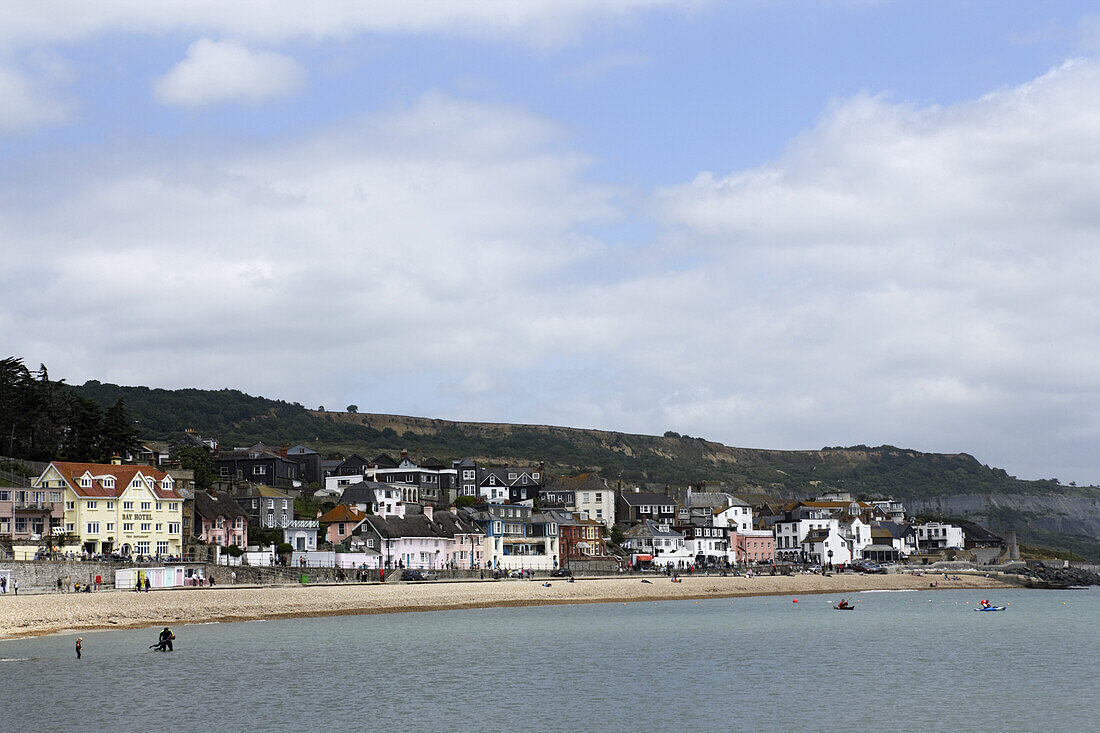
point(927, 479)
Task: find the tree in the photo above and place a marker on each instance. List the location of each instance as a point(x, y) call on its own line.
point(200, 461)
point(465, 501)
point(119, 435)
point(353, 408)
point(616, 535)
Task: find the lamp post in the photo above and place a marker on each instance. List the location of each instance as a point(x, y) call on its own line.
point(830, 553)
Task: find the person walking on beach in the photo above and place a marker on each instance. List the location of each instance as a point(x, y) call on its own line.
point(15, 586)
point(147, 584)
point(79, 646)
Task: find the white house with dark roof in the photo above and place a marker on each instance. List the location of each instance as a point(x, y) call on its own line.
point(826, 546)
point(657, 543)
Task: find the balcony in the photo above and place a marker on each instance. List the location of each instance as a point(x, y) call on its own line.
point(36, 506)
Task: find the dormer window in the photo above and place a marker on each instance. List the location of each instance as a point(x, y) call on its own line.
point(85, 482)
point(108, 482)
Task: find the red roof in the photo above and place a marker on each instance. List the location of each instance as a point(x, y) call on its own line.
point(123, 475)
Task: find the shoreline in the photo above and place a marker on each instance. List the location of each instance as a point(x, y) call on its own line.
point(47, 614)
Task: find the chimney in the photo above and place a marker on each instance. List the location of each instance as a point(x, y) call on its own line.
point(404, 454)
point(116, 460)
point(428, 512)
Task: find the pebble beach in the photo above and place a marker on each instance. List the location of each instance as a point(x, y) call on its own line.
point(32, 615)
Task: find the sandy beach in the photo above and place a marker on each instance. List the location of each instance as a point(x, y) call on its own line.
point(51, 613)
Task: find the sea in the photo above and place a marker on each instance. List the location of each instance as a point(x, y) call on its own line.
point(902, 661)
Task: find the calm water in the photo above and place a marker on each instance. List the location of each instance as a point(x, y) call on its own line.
point(902, 661)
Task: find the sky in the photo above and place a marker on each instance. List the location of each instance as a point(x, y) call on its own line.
point(769, 223)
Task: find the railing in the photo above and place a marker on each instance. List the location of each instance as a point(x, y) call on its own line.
point(41, 506)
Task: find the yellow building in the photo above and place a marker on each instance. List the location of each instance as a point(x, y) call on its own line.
point(134, 510)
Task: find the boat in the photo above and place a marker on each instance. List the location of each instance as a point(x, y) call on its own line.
point(844, 608)
point(991, 608)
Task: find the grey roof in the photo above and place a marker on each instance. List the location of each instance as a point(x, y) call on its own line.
point(647, 498)
point(219, 504)
point(443, 524)
point(362, 492)
point(896, 530)
point(649, 528)
point(714, 499)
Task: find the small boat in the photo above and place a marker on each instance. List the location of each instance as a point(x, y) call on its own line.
point(844, 608)
point(991, 608)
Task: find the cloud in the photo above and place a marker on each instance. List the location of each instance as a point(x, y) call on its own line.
point(436, 227)
point(538, 22)
point(226, 71)
point(29, 98)
point(920, 276)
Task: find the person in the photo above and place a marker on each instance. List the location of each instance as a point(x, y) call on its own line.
point(985, 603)
point(233, 575)
point(59, 588)
point(211, 581)
point(147, 584)
point(843, 603)
point(164, 643)
point(15, 586)
point(79, 646)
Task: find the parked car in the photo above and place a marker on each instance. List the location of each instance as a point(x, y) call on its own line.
point(561, 573)
point(413, 575)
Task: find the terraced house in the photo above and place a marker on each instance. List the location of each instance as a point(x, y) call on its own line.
point(134, 510)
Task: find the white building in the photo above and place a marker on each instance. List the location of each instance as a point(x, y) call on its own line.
point(826, 546)
point(938, 536)
point(301, 534)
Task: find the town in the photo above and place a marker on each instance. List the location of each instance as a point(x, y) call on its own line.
point(401, 517)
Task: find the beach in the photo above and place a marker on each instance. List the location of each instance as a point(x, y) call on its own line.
point(32, 615)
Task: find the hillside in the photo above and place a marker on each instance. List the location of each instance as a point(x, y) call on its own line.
point(236, 418)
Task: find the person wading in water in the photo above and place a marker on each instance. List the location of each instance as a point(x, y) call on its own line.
point(165, 642)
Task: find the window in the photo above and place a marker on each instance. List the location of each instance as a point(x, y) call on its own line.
point(512, 477)
point(284, 503)
point(110, 526)
point(259, 470)
point(270, 504)
point(146, 505)
point(93, 527)
point(159, 506)
point(142, 548)
point(108, 482)
point(584, 497)
point(166, 484)
point(55, 496)
point(20, 524)
point(69, 527)
point(223, 471)
point(127, 526)
point(109, 505)
point(174, 506)
point(127, 505)
point(468, 474)
point(92, 504)
point(599, 496)
point(535, 475)
point(370, 542)
point(69, 505)
point(173, 528)
point(160, 527)
point(599, 514)
point(146, 526)
point(85, 482)
point(162, 548)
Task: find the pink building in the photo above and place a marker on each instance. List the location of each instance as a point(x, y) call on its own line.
point(754, 545)
point(31, 514)
point(219, 520)
point(342, 521)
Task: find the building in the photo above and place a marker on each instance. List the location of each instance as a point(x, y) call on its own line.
point(517, 537)
point(939, 536)
point(754, 545)
point(259, 463)
point(342, 521)
point(301, 534)
point(579, 538)
point(220, 520)
point(653, 544)
point(435, 482)
point(826, 547)
point(266, 506)
point(31, 513)
point(134, 510)
point(425, 539)
point(638, 506)
point(310, 470)
point(510, 484)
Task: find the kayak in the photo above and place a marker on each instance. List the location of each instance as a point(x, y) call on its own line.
point(991, 608)
point(844, 608)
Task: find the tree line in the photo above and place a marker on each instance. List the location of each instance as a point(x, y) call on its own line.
point(42, 420)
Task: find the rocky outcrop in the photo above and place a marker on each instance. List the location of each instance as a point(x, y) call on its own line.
point(1068, 576)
